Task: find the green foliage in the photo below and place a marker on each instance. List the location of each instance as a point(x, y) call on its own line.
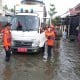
point(52, 10)
point(5, 7)
point(12, 10)
point(56, 21)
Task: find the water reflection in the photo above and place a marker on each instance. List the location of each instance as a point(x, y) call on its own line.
point(7, 73)
point(52, 67)
point(49, 72)
point(66, 65)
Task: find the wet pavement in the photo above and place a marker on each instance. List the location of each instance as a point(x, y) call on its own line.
point(66, 65)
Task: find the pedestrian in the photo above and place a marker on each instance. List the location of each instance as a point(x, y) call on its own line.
point(49, 43)
point(64, 35)
point(7, 41)
point(54, 30)
point(41, 29)
point(45, 46)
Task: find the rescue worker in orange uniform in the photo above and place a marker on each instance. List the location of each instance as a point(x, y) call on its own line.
point(54, 30)
point(7, 41)
point(50, 35)
point(45, 55)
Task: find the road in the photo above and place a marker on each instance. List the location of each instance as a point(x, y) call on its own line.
point(66, 65)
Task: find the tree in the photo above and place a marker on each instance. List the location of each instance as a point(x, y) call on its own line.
point(5, 7)
point(56, 20)
point(52, 11)
point(12, 10)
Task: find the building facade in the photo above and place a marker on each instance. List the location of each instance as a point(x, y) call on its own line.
point(1, 11)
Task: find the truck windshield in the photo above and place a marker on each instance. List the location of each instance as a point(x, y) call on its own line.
point(25, 23)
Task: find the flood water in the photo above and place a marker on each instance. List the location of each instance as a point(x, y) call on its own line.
point(66, 65)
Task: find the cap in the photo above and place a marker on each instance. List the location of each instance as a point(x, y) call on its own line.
point(8, 24)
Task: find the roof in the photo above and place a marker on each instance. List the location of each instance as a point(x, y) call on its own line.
point(75, 10)
point(32, 1)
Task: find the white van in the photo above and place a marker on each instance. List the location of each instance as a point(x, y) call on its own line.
point(26, 36)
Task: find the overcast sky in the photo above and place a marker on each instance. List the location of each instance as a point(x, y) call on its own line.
point(61, 5)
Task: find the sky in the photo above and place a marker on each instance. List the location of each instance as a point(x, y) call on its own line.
point(61, 5)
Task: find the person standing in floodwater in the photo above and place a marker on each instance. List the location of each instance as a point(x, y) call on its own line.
point(49, 43)
point(7, 41)
point(64, 35)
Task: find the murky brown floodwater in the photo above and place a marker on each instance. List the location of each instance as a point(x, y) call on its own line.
point(66, 65)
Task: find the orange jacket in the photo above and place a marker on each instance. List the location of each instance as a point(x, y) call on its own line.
point(50, 38)
point(6, 38)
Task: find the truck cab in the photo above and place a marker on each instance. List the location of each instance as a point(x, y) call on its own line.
point(26, 35)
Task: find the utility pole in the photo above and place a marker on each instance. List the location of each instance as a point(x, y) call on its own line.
point(14, 9)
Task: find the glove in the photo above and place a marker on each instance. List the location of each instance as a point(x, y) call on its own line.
point(6, 48)
point(48, 37)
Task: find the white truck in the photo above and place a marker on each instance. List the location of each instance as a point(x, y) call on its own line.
point(26, 35)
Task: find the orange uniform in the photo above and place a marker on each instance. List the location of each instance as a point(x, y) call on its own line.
point(6, 38)
point(50, 38)
point(54, 30)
